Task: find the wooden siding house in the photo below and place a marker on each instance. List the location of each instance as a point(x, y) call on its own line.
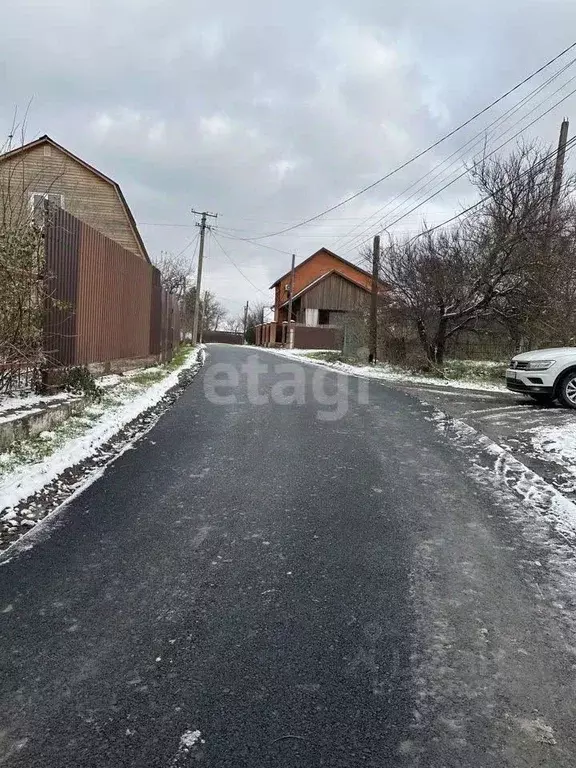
point(44, 170)
point(102, 303)
point(327, 288)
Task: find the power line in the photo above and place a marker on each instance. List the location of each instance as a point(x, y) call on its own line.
point(268, 221)
point(253, 242)
point(476, 139)
point(466, 171)
point(569, 145)
point(423, 152)
point(192, 242)
point(231, 260)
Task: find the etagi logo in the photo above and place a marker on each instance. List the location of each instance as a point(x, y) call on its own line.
point(284, 383)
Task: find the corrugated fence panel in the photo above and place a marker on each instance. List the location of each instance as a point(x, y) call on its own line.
point(317, 337)
point(156, 313)
point(114, 301)
point(222, 337)
point(62, 244)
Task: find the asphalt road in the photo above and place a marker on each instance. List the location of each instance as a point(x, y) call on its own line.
point(260, 584)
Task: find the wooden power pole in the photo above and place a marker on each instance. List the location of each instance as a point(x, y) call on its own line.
point(203, 227)
point(202, 316)
point(374, 300)
point(290, 331)
point(559, 170)
point(245, 321)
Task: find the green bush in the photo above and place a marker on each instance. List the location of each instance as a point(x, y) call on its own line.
point(329, 356)
point(79, 379)
point(483, 370)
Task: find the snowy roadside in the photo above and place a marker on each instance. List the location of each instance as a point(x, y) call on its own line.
point(386, 372)
point(543, 518)
point(37, 476)
point(12, 408)
point(11, 405)
point(557, 445)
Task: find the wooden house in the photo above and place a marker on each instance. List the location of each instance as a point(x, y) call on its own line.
point(44, 170)
point(326, 289)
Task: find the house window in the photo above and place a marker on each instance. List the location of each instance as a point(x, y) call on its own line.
point(311, 317)
point(323, 317)
point(38, 204)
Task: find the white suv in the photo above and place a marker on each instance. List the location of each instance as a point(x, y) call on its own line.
point(545, 374)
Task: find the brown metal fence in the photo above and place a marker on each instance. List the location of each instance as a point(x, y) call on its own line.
point(62, 245)
point(222, 337)
point(113, 302)
point(107, 303)
point(317, 337)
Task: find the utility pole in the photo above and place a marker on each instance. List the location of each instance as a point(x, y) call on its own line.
point(290, 338)
point(559, 170)
point(245, 321)
point(556, 185)
point(374, 300)
point(203, 227)
point(202, 316)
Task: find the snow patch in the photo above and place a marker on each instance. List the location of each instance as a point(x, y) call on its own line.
point(8, 403)
point(190, 743)
point(385, 372)
point(189, 738)
point(556, 444)
point(494, 463)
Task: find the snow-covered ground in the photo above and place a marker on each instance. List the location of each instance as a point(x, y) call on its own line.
point(12, 407)
point(25, 403)
point(557, 444)
point(25, 469)
point(386, 372)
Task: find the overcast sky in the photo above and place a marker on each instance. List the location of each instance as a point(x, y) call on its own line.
point(268, 113)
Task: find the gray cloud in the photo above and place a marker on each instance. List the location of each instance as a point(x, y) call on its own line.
point(267, 113)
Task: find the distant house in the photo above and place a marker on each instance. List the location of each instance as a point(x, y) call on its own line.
point(44, 170)
point(327, 289)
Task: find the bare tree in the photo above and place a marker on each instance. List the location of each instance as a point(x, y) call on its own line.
point(516, 226)
point(499, 264)
point(213, 312)
point(23, 295)
point(256, 314)
point(175, 272)
point(234, 324)
point(442, 284)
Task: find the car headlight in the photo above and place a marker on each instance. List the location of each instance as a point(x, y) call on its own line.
point(539, 365)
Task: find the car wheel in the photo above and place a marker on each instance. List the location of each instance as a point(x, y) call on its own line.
point(567, 390)
point(542, 397)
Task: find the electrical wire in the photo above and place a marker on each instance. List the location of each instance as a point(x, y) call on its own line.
point(190, 243)
point(421, 153)
point(480, 137)
point(569, 147)
point(247, 240)
point(231, 260)
point(466, 171)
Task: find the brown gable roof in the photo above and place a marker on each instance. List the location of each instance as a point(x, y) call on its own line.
point(330, 253)
point(319, 280)
point(47, 140)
